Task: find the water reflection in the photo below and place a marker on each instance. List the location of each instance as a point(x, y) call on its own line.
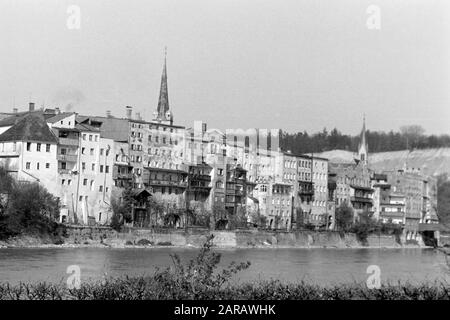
point(323, 266)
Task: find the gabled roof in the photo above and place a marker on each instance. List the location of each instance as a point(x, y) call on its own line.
point(13, 118)
point(31, 127)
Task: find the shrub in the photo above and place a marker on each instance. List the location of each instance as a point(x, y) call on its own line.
point(29, 209)
point(198, 279)
point(145, 242)
point(164, 243)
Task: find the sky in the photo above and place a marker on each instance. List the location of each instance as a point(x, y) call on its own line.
point(292, 64)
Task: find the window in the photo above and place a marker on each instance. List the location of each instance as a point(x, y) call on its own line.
point(101, 168)
point(63, 165)
point(38, 147)
point(92, 184)
point(100, 188)
point(156, 139)
point(93, 167)
point(80, 198)
point(92, 152)
point(90, 137)
point(84, 136)
point(63, 181)
point(37, 166)
point(107, 169)
point(85, 182)
point(107, 151)
point(101, 150)
point(47, 147)
point(28, 146)
point(69, 182)
point(96, 138)
point(83, 165)
point(47, 165)
point(28, 165)
point(82, 150)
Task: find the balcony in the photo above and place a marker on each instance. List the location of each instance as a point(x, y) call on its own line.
point(305, 192)
point(66, 171)
point(361, 199)
point(167, 183)
point(122, 176)
point(67, 157)
point(68, 142)
point(201, 177)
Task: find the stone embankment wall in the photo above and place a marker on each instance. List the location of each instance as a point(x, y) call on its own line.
point(226, 239)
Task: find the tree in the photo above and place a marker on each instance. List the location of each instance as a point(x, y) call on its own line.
point(344, 217)
point(443, 199)
point(412, 133)
point(122, 209)
point(30, 209)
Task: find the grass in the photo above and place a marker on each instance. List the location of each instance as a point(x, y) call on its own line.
point(141, 288)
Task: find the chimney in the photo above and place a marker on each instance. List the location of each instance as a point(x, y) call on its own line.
point(57, 111)
point(31, 106)
point(129, 111)
point(138, 116)
point(15, 110)
point(108, 114)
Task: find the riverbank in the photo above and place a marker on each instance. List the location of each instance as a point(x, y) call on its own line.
point(103, 237)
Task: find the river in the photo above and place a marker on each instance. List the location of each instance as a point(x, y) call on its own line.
point(321, 266)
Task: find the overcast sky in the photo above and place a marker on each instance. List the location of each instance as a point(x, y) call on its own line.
point(295, 65)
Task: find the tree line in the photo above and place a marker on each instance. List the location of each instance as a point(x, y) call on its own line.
point(407, 137)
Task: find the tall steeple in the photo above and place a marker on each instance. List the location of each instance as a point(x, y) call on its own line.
point(363, 148)
point(162, 111)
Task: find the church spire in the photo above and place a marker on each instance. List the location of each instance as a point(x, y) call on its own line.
point(363, 148)
point(163, 102)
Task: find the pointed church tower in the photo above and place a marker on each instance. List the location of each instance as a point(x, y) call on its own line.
point(363, 148)
point(163, 113)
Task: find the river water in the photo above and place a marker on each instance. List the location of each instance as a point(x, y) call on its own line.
point(321, 266)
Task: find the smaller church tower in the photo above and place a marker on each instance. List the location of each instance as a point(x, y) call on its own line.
point(363, 148)
point(163, 113)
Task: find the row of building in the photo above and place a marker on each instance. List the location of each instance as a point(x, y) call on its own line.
point(87, 162)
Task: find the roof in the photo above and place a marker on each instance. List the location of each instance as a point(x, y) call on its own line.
point(138, 192)
point(86, 127)
point(12, 118)
point(111, 128)
point(59, 117)
point(31, 127)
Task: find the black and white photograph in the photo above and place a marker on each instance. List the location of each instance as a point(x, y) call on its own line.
point(251, 151)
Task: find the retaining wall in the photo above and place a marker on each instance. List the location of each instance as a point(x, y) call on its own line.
point(229, 239)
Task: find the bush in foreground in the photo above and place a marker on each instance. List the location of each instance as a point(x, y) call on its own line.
point(141, 288)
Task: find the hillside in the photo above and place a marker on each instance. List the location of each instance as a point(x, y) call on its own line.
point(430, 161)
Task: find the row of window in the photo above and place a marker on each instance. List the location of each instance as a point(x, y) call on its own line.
point(38, 147)
point(282, 202)
point(150, 126)
point(92, 151)
point(83, 167)
point(91, 137)
point(38, 165)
